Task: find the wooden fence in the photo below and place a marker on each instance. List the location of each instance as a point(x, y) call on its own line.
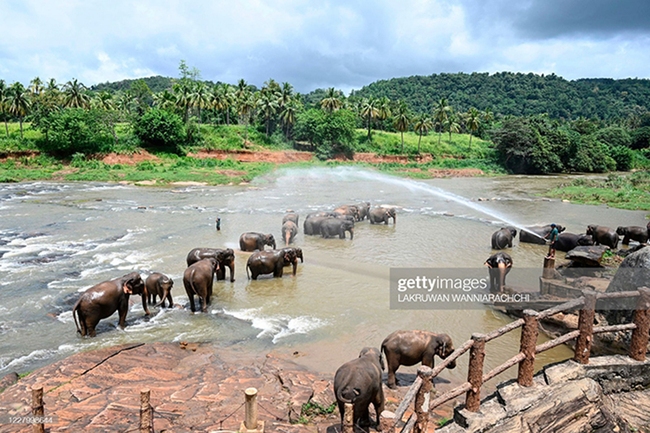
point(528, 349)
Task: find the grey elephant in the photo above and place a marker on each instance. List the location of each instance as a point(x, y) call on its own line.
point(349, 209)
point(251, 241)
point(103, 299)
point(291, 216)
point(198, 279)
point(380, 215)
point(568, 241)
point(634, 233)
point(359, 382)
point(296, 251)
point(603, 235)
point(337, 226)
point(225, 257)
point(159, 285)
point(312, 224)
point(364, 209)
point(503, 238)
point(410, 347)
point(499, 264)
point(537, 234)
point(271, 262)
point(289, 232)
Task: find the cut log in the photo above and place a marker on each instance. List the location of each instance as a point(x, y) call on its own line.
point(587, 255)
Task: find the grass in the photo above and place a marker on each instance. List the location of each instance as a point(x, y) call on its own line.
point(630, 191)
point(311, 410)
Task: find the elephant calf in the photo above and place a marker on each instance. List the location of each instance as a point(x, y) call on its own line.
point(251, 241)
point(410, 347)
point(359, 382)
point(503, 238)
point(104, 299)
point(603, 235)
point(197, 280)
point(158, 284)
point(635, 233)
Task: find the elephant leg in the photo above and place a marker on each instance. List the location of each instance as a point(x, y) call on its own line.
point(393, 365)
point(122, 314)
point(205, 301)
point(295, 267)
point(378, 403)
point(626, 240)
point(363, 415)
point(192, 306)
point(169, 298)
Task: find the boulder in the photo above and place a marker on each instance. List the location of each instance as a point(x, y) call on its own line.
point(634, 272)
point(587, 255)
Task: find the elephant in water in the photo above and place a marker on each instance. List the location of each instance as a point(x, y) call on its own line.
point(289, 232)
point(635, 233)
point(349, 209)
point(197, 279)
point(537, 234)
point(104, 299)
point(291, 216)
point(359, 382)
point(337, 226)
point(499, 265)
point(251, 241)
point(503, 238)
point(410, 347)
point(568, 241)
point(380, 215)
point(603, 235)
point(271, 262)
point(225, 257)
point(158, 284)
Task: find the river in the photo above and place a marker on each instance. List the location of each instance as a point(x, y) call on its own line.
point(58, 239)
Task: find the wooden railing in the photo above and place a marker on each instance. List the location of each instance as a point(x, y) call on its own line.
point(528, 349)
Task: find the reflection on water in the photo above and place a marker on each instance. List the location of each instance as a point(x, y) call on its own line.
point(59, 239)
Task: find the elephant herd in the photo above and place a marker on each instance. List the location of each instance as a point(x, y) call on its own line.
point(206, 264)
point(360, 383)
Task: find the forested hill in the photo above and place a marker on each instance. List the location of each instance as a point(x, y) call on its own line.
point(518, 94)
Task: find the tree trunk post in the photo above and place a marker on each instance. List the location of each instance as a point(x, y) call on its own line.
point(475, 373)
point(549, 268)
point(527, 345)
point(586, 327)
point(348, 418)
point(639, 343)
point(146, 412)
point(250, 421)
point(38, 410)
point(422, 399)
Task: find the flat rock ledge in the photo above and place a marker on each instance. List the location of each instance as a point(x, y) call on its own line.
point(193, 388)
point(610, 394)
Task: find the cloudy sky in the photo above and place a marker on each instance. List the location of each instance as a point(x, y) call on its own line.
point(318, 43)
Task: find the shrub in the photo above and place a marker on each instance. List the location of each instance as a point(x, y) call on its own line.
point(624, 157)
point(75, 130)
point(160, 130)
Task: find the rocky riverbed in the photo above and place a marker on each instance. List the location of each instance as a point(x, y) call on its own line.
point(193, 387)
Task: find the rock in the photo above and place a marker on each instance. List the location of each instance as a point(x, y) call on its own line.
point(634, 272)
point(587, 255)
point(8, 380)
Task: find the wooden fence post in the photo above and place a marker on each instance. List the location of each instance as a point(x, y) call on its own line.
point(422, 400)
point(639, 342)
point(146, 412)
point(586, 327)
point(548, 271)
point(38, 411)
point(475, 373)
point(348, 418)
point(527, 345)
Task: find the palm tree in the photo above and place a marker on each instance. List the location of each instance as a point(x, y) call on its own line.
point(384, 109)
point(472, 121)
point(422, 124)
point(19, 103)
point(125, 102)
point(200, 98)
point(183, 92)
point(286, 94)
point(246, 102)
point(369, 111)
point(74, 95)
point(104, 100)
point(4, 98)
point(288, 115)
point(36, 86)
point(440, 112)
point(268, 104)
point(451, 124)
point(402, 119)
point(221, 99)
point(331, 102)
point(164, 100)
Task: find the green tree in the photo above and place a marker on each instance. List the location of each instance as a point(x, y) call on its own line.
point(451, 124)
point(4, 103)
point(369, 111)
point(200, 98)
point(440, 114)
point(160, 129)
point(330, 133)
point(268, 106)
point(74, 95)
point(472, 121)
point(383, 109)
point(165, 100)
point(18, 103)
point(75, 130)
point(332, 100)
point(402, 120)
point(288, 116)
point(422, 124)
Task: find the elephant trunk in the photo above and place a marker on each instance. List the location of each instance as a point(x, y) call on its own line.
point(503, 270)
point(295, 266)
point(231, 266)
point(351, 234)
point(287, 238)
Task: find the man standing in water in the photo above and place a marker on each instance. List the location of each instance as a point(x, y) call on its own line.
point(552, 236)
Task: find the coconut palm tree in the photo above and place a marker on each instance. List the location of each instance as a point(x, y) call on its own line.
point(164, 100)
point(440, 113)
point(288, 115)
point(4, 98)
point(36, 86)
point(331, 102)
point(200, 98)
point(286, 94)
point(422, 124)
point(402, 119)
point(246, 103)
point(19, 103)
point(451, 124)
point(74, 96)
point(125, 102)
point(104, 100)
point(383, 108)
point(472, 121)
point(369, 111)
point(268, 105)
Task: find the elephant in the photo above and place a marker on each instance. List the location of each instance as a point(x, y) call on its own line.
point(103, 299)
point(359, 382)
point(503, 238)
point(364, 209)
point(267, 262)
point(226, 259)
point(635, 233)
point(568, 241)
point(289, 232)
point(603, 235)
point(536, 234)
point(380, 215)
point(349, 209)
point(291, 216)
point(295, 250)
point(197, 279)
point(410, 347)
point(311, 226)
point(337, 226)
point(499, 264)
point(158, 284)
point(251, 241)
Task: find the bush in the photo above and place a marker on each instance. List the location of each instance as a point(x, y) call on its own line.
point(75, 130)
point(613, 136)
point(160, 130)
point(641, 138)
point(624, 157)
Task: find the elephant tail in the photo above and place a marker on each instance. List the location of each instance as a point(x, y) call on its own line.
point(75, 313)
point(348, 394)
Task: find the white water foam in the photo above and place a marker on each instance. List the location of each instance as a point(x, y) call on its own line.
point(276, 327)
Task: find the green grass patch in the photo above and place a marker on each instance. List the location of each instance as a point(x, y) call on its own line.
point(311, 410)
point(631, 191)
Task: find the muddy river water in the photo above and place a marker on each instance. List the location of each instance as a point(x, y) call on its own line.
point(58, 239)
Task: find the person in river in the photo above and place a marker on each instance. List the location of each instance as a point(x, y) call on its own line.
point(552, 237)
